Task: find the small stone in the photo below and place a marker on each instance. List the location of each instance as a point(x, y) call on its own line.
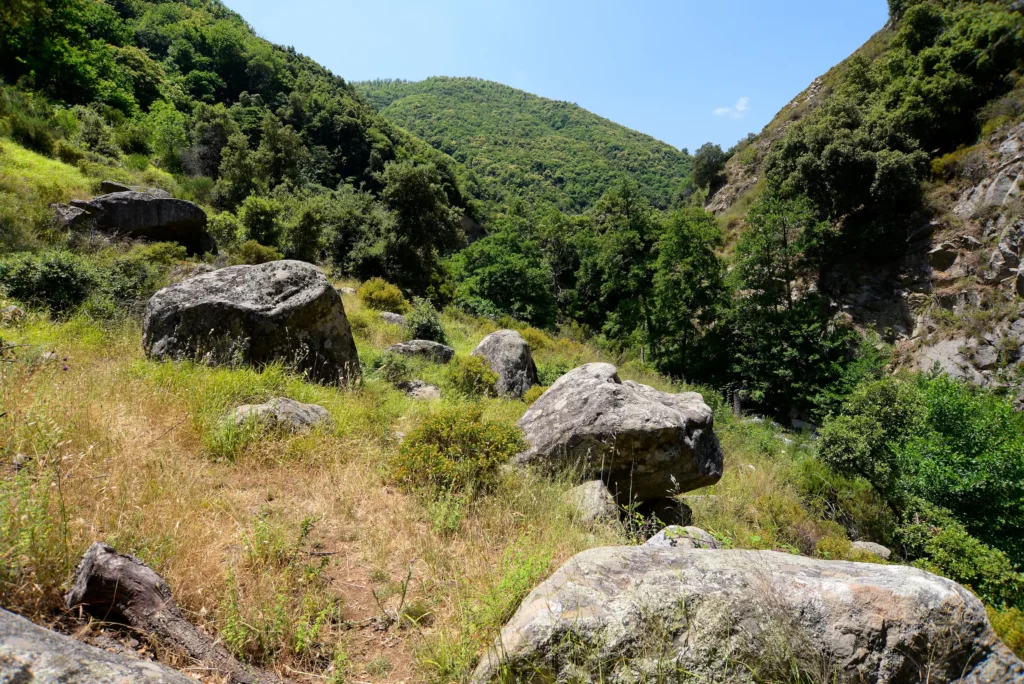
point(882, 552)
point(417, 389)
point(346, 291)
point(678, 537)
point(943, 256)
point(11, 315)
point(279, 414)
point(433, 351)
point(392, 318)
point(594, 502)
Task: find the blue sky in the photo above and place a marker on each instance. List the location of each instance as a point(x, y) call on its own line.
point(684, 71)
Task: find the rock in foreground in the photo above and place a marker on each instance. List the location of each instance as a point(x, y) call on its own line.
point(509, 356)
point(631, 614)
point(30, 653)
point(643, 443)
point(282, 311)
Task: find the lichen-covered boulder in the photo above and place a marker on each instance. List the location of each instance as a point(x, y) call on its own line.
point(874, 549)
point(509, 356)
point(593, 502)
point(281, 413)
point(151, 215)
point(648, 613)
point(427, 349)
point(392, 318)
point(280, 312)
point(644, 444)
point(688, 537)
point(30, 653)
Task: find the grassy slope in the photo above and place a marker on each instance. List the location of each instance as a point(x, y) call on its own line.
point(521, 145)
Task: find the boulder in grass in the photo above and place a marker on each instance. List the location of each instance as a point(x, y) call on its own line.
point(874, 549)
point(649, 613)
point(30, 653)
point(151, 215)
point(593, 502)
point(509, 356)
point(417, 389)
point(427, 349)
point(279, 312)
point(282, 414)
point(643, 443)
point(392, 318)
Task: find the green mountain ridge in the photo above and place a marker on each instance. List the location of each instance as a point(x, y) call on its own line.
point(518, 145)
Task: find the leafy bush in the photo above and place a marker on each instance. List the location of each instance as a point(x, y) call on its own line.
point(1009, 625)
point(260, 219)
point(377, 293)
point(58, 280)
point(393, 368)
point(424, 322)
point(455, 451)
point(470, 376)
point(226, 229)
point(252, 252)
point(533, 394)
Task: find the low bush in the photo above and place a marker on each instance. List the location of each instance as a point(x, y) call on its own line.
point(533, 394)
point(423, 322)
point(226, 229)
point(393, 368)
point(471, 377)
point(377, 293)
point(455, 451)
point(252, 252)
point(58, 280)
point(1009, 625)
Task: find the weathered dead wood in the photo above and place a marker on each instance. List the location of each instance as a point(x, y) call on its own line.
point(121, 588)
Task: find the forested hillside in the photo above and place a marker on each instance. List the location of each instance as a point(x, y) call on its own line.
point(286, 153)
point(520, 146)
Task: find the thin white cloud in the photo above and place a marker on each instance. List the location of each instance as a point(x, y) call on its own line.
point(737, 111)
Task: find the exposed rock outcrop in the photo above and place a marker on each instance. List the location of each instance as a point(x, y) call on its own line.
point(282, 311)
point(119, 587)
point(30, 653)
point(643, 443)
point(151, 215)
point(282, 414)
point(689, 537)
point(509, 356)
point(627, 614)
point(432, 351)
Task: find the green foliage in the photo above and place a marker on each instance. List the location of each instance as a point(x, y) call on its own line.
point(506, 273)
point(470, 376)
point(1008, 623)
point(423, 322)
point(708, 165)
point(455, 451)
point(226, 229)
point(533, 394)
point(392, 368)
point(378, 294)
point(515, 145)
point(934, 441)
point(252, 252)
point(260, 218)
point(58, 280)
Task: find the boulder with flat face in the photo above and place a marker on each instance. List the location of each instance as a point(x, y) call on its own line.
point(644, 444)
point(280, 312)
point(30, 653)
point(509, 356)
point(649, 613)
point(151, 215)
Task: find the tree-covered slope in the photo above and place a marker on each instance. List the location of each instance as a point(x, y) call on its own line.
point(519, 145)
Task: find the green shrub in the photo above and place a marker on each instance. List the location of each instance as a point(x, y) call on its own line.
point(470, 376)
point(377, 293)
point(424, 322)
point(27, 120)
point(226, 229)
point(252, 252)
point(1009, 625)
point(393, 368)
point(58, 280)
point(455, 451)
point(533, 394)
point(260, 219)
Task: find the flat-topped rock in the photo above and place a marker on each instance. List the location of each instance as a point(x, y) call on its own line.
point(637, 613)
point(643, 443)
point(428, 349)
point(280, 312)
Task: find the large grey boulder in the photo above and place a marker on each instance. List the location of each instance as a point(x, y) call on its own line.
point(643, 443)
point(151, 215)
point(30, 653)
point(432, 351)
point(282, 311)
point(509, 356)
point(635, 614)
point(282, 414)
